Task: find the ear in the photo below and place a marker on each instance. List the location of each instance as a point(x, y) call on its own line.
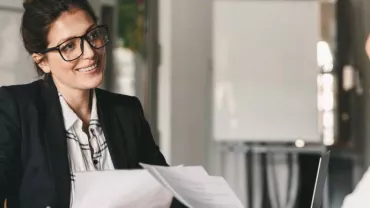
point(42, 61)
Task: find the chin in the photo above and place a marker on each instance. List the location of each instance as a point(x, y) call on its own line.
point(94, 85)
point(92, 78)
point(92, 82)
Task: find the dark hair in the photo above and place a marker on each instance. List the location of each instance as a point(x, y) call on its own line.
point(39, 15)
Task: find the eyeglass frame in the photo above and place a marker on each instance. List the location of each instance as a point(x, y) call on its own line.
point(83, 37)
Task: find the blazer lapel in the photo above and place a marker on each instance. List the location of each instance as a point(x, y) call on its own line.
point(55, 139)
point(113, 132)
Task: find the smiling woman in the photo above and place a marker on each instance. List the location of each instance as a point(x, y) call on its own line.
point(63, 123)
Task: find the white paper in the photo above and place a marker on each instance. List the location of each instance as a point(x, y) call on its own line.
point(119, 188)
point(194, 187)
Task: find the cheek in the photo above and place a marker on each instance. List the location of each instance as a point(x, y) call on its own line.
point(102, 55)
point(58, 65)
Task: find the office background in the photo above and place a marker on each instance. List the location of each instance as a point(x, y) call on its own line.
point(163, 51)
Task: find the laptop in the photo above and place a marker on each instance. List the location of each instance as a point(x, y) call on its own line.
point(322, 173)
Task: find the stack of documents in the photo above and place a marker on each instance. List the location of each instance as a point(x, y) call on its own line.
point(153, 187)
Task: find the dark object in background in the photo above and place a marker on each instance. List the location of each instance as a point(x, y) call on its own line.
point(107, 14)
point(308, 164)
point(340, 182)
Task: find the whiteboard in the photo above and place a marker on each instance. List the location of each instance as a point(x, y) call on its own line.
point(265, 71)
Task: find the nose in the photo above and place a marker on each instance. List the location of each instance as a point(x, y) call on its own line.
point(88, 52)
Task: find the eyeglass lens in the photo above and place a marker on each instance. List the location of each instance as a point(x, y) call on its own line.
point(73, 48)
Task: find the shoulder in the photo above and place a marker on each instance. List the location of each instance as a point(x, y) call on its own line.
point(15, 98)
point(22, 93)
point(118, 100)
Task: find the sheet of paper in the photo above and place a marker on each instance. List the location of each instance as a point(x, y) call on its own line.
point(194, 187)
point(119, 188)
point(196, 171)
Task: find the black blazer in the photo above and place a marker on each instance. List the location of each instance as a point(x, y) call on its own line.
point(34, 167)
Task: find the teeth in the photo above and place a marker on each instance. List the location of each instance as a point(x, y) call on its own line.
point(88, 68)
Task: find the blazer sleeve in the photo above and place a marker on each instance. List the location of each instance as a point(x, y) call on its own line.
point(9, 143)
point(148, 151)
point(147, 148)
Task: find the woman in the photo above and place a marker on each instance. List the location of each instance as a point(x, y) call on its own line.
point(63, 123)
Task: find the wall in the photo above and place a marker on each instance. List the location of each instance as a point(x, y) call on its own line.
point(17, 4)
point(185, 81)
point(164, 78)
point(16, 65)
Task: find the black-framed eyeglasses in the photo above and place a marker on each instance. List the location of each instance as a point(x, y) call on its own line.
point(73, 48)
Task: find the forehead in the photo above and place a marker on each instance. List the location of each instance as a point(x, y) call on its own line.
point(73, 22)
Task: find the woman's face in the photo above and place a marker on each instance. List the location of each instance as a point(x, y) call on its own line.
point(78, 74)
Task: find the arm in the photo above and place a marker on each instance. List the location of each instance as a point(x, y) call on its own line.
point(148, 150)
point(9, 143)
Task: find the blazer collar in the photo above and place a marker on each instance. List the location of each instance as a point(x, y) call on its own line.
point(114, 132)
point(56, 144)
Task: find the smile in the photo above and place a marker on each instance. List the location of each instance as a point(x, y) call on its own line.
point(87, 69)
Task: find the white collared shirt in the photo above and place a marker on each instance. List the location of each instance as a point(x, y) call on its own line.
point(86, 152)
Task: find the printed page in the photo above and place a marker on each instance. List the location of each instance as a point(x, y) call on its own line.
point(194, 187)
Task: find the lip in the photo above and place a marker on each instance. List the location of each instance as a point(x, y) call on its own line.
point(87, 66)
point(92, 64)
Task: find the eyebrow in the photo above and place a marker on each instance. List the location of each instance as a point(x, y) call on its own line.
point(70, 37)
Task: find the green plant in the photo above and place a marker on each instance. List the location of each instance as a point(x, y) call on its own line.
point(131, 24)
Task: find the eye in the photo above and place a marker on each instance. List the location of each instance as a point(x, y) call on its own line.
point(95, 35)
point(69, 46)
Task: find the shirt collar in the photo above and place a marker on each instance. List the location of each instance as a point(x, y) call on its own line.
point(70, 117)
